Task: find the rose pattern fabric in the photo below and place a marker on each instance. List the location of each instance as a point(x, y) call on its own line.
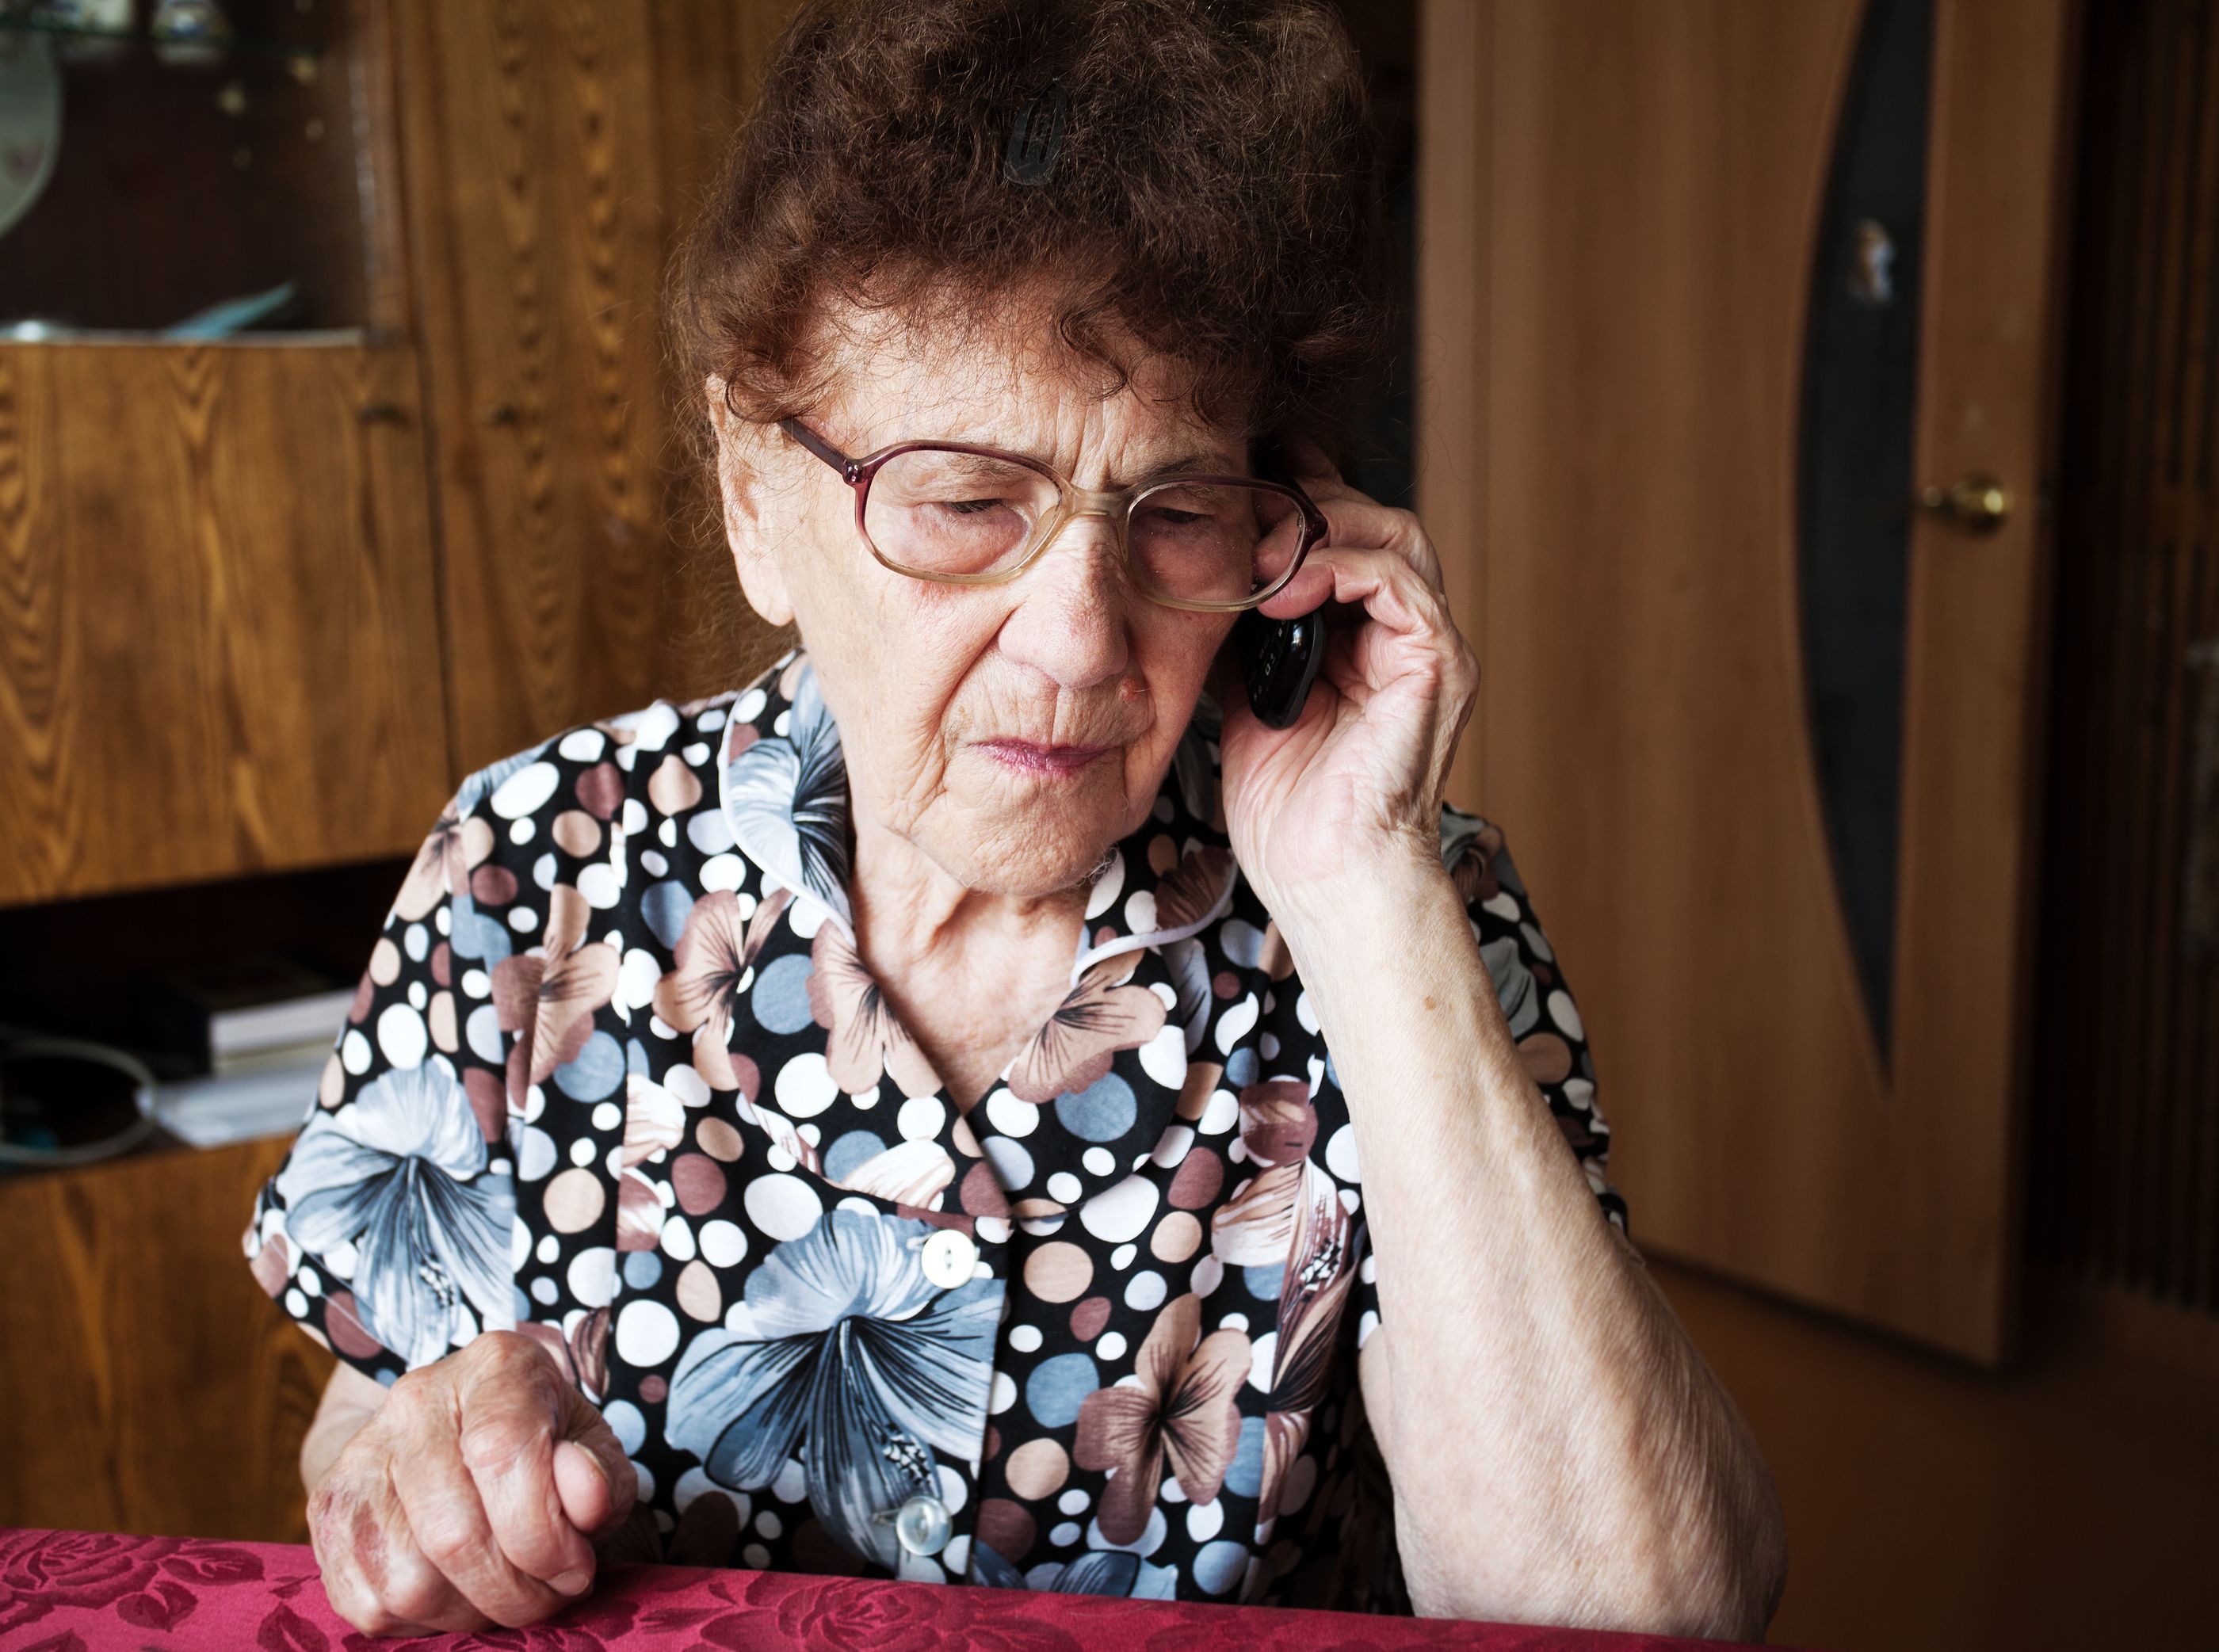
point(88, 1592)
point(41, 1573)
point(617, 1076)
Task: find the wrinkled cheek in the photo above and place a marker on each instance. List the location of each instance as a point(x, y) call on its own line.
point(1142, 781)
point(910, 670)
point(897, 753)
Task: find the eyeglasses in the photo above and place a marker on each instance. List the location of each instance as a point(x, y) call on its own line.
point(958, 514)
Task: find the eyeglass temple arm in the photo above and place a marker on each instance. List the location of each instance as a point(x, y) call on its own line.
point(1272, 464)
point(823, 450)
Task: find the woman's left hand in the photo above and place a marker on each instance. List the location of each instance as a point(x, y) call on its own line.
point(1362, 772)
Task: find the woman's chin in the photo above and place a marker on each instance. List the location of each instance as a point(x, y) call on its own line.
point(1003, 832)
point(1031, 860)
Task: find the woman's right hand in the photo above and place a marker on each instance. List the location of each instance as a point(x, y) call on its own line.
point(470, 1497)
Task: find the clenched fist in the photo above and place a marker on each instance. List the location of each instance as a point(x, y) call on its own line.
point(470, 1496)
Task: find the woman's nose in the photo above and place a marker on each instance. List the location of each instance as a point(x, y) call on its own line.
point(1070, 622)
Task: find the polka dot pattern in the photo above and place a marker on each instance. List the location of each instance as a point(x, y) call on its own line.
point(610, 1025)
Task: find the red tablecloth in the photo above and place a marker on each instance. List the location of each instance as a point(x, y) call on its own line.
point(84, 1591)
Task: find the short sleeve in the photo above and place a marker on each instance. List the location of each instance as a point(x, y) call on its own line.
point(387, 1230)
point(1537, 1002)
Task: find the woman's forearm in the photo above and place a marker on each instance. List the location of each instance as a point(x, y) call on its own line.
point(1560, 1450)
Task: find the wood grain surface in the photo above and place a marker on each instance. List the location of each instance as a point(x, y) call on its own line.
point(1948, 1178)
point(219, 639)
point(1628, 481)
point(148, 1384)
point(552, 154)
point(1609, 401)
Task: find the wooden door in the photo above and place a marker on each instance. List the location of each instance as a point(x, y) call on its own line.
point(218, 630)
point(1623, 207)
point(553, 154)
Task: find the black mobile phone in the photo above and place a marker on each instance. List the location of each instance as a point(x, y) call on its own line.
point(1279, 658)
point(1279, 661)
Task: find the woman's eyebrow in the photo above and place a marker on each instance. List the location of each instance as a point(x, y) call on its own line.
point(978, 464)
point(1194, 462)
point(1186, 462)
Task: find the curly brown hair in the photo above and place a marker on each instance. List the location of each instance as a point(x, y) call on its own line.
point(1215, 200)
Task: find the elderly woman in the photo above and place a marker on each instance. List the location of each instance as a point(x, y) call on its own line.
point(979, 1103)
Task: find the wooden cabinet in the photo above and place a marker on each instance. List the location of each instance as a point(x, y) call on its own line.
point(264, 602)
point(218, 622)
point(148, 1384)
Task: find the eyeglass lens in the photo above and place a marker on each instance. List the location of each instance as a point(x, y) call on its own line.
point(937, 513)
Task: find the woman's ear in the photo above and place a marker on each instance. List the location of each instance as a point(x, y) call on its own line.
point(745, 504)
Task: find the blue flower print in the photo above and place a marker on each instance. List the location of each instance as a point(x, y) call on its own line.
point(1114, 1571)
point(844, 1349)
point(401, 1174)
point(1514, 985)
point(1478, 859)
point(785, 799)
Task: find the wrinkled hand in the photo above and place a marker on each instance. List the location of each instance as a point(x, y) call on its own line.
point(1363, 772)
point(471, 1497)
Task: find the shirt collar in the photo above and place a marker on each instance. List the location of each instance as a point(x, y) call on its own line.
point(783, 787)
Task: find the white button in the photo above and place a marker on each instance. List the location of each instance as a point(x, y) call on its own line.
point(923, 1526)
point(949, 1257)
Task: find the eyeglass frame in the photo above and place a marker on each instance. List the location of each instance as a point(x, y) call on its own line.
point(1074, 501)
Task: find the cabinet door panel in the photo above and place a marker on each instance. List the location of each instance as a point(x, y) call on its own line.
point(219, 641)
point(151, 1386)
point(553, 154)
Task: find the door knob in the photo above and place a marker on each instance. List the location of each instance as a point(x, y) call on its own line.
point(1974, 504)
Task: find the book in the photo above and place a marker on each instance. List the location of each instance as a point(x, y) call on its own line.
point(216, 1109)
point(237, 1037)
point(309, 1052)
point(227, 1015)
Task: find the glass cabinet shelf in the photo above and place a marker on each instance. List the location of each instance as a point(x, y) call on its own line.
point(186, 169)
point(173, 46)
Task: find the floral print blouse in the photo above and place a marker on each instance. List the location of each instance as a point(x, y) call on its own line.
point(615, 1078)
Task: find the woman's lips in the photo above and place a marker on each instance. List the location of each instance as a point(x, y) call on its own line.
point(1029, 758)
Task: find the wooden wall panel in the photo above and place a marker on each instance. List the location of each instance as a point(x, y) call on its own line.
point(219, 641)
point(148, 1384)
point(552, 155)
